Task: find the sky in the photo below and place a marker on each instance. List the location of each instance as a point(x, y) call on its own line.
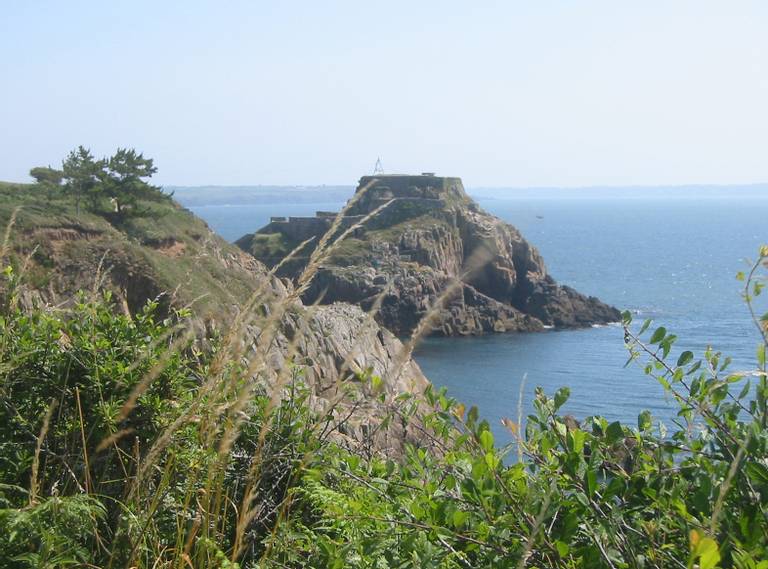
point(509, 93)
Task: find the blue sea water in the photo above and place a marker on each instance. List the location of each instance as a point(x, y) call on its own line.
point(670, 255)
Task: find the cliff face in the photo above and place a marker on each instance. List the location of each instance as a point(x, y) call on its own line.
point(430, 237)
point(173, 257)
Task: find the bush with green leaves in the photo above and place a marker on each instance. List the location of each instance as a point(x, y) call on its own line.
point(124, 440)
point(128, 441)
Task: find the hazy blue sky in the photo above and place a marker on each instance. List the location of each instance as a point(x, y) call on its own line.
point(500, 93)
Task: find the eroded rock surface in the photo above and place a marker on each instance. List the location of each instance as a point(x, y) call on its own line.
point(430, 252)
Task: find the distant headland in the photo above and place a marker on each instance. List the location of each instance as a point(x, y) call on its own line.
point(418, 246)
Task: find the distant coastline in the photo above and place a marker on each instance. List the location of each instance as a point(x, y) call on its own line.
point(193, 196)
point(198, 196)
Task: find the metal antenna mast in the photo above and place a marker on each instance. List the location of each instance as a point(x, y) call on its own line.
point(378, 169)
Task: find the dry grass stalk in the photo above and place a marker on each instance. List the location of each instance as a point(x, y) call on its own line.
point(537, 525)
point(349, 357)
point(519, 438)
point(725, 486)
point(112, 440)
point(88, 485)
point(213, 393)
point(154, 373)
point(7, 235)
point(34, 484)
point(339, 219)
point(247, 511)
point(100, 277)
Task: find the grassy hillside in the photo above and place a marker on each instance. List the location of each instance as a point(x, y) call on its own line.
point(167, 249)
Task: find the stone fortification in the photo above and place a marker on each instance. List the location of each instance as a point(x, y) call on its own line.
point(413, 195)
point(301, 228)
point(430, 237)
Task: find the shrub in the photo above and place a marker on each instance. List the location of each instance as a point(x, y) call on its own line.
point(122, 443)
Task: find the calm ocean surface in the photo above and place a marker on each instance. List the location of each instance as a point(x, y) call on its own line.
point(670, 255)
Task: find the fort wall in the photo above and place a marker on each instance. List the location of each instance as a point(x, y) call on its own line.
point(302, 228)
point(413, 195)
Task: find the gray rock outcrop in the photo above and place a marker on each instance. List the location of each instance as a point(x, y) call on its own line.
point(432, 252)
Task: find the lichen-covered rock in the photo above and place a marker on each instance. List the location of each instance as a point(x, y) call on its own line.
point(431, 251)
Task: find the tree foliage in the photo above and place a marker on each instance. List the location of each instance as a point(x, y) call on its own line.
point(113, 186)
point(45, 175)
point(124, 179)
point(82, 174)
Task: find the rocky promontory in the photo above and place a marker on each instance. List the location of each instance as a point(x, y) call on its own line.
point(428, 250)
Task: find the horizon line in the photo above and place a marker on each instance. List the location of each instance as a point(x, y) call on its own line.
point(496, 187)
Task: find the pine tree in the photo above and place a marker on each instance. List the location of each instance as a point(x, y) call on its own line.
point(82, 174)
point(124, 180)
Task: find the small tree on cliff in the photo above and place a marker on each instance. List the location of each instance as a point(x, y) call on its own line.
point(81, 173)
point(124, 180)
point(47, 175)
point(47, 178)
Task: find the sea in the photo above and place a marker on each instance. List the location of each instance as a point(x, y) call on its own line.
point(666, 254)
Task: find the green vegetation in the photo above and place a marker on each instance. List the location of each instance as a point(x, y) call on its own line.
point(135, 441)
point(392, 231)
point(272, 247)
point(351, 251)
point(47, 178)
point(108, 431)
point(119, 179)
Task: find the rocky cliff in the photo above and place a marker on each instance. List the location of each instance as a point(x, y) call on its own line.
point(428, 251)
point(173, 257)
